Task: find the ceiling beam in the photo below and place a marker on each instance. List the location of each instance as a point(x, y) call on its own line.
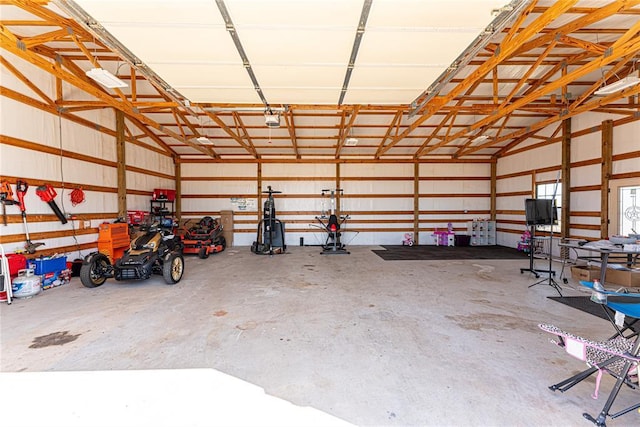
point(25, 80)
point(13, 44)
point(570, 112)
point(344, 132)
point(249, 146)
point(227, 129)
point(395, 123)
point(505, 51)
point(291, 127)
point(631, 46)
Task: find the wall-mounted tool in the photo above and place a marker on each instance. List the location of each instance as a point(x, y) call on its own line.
point(21, 190)
point(48, 194)
point(6, 198)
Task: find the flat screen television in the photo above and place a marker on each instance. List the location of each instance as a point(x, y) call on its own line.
point(540, 212)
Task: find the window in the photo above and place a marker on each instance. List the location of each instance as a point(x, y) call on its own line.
point(629, 211)
point(546, 191)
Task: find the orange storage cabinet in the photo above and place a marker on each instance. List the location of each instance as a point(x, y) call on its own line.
point(113, 239)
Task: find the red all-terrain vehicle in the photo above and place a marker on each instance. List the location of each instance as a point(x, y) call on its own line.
point(204, 238)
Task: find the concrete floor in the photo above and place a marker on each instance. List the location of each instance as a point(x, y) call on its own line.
point(370, 342)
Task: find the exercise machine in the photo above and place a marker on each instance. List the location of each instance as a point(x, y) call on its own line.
point(270, 235)
point(332, 224)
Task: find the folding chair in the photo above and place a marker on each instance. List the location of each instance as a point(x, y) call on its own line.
point(615, 356)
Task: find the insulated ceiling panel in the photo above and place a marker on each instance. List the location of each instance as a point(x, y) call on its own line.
point(298, 50)
point(198, 75)
point(379, 95)
point(410, 14)
point(402, 48)
point(220, 94)
point(299, 53)
point(175, 44)
point(302, 95)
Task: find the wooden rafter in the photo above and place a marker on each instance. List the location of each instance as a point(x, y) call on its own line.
point(506, 50)
point(151, 135)
point(397, 118)
point(519, 70)
point(344, 132)
point(13, 44)
point(528, 73)
point(245, 135)
point(592, 105)
point(227, 129)
point(594, 48)
point(31, 42)
point(25, 80)
point(291, 127)
point(425, 148)
point(606, 76)
point(631, 46)
point(515, 27)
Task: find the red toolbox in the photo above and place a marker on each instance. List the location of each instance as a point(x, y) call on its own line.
point(164, 194)
point(136, 217)
point(17, 262)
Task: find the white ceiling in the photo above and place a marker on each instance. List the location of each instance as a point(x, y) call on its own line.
point(299, 52)
point(299, 49)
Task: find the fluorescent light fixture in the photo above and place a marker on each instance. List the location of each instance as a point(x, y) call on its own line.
point(105, 78)
point(204, 140)
point(351, 142)
point(618, 86)
point(482, 138)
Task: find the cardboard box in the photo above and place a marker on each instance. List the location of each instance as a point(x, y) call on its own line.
point(585, 272)
point(226, 219)
point(612, 276)
point(629, 277)
point(57, 278)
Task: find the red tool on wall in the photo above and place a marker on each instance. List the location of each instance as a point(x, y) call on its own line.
point(21, 190)
point(48, 194)
point(6, 198)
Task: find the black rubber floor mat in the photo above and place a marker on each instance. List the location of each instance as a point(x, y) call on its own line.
point(430, 252)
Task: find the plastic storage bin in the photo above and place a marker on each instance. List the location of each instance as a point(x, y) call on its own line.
point(49, 265)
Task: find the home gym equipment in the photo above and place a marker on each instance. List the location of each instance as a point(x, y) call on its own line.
point(332, 245)
point(204, 238)
point(47, 194)
point(270, 236)
point(21, 191)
